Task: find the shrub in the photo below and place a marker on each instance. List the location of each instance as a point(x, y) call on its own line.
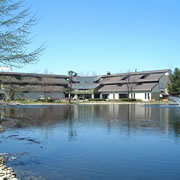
point(50, 100)
point(97, 99)
point(128, 99)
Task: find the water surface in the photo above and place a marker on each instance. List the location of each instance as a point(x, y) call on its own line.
point(93, 141)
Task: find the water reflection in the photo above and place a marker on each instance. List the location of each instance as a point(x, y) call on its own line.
point(130, 117)
point(93, 141)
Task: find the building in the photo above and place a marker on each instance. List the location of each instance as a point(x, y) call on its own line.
point(145, 85)
point(32, 86)
point(84, 87)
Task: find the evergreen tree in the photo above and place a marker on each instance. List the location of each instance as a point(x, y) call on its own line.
point(15, 24)
point(174, 86)
point(71, 75)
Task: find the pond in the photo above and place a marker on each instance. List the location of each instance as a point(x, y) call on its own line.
point(93, 141)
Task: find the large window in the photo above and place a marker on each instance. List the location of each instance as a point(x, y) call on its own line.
point(133, 95)
point(147, 96)
point(123, 96)
point(105, 96)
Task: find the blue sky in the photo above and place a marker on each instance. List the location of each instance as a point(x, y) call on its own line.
point(96, 36)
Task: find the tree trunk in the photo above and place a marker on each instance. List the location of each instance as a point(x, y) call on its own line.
point(69, 97)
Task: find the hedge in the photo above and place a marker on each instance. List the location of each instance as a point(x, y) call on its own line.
point(97, 99)
point(128, 99)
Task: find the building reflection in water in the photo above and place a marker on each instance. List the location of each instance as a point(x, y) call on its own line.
point(128, 117)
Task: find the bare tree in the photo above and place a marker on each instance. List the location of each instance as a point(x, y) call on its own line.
point(45, 85)
point(15, 86)
point(131, 82)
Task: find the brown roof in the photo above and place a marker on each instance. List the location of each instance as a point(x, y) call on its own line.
point(140, 72)
point(152, 77)
point(53, 81)
point(133, 78)
point(35, 88)
point(32, 74)
point(33, 80)
point(112, 80)
point(122, 88)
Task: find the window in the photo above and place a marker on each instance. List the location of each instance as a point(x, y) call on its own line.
point(144, 76)
point(105, 96)
point(125, 77)
point(147, 96)
point(139, 83)
point(18, 77)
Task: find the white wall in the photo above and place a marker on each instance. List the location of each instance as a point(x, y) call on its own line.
point(116, 96)
point(138, 95)
point(111, 96)
point(141, 96)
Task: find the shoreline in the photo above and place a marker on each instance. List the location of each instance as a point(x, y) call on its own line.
point(6, 173)
point(88, 102)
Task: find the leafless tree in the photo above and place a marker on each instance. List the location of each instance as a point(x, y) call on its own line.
point(131, 82)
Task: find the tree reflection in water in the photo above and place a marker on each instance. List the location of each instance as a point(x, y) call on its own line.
point(132, 117)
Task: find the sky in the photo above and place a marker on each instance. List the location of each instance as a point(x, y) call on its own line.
point(92, 37)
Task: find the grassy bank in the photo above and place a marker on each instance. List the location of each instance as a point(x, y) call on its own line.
point(87, 102)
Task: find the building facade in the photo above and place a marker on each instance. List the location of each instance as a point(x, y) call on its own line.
point(32, 86)
point(145, 85)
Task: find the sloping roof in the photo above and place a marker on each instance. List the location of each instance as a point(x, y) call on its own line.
point(29, 80)
point(132, 78)
point(8, 79)
point(112, 80)
point(152, 77)
point(32, 74)
point(84, 85)
point(53, 81)
point(139, 72)
point(48, 88)
point(33, 80)
point(122, 88)
point(84, 79)
point(35, 88)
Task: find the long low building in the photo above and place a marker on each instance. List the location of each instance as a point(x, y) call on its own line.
point(145, 85)
point(32, 86)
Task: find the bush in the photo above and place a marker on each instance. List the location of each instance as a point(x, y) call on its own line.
point(50, 100)
point(128, 99)
point(97, 99)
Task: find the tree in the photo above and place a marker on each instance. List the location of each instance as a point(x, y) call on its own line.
point(71, 74)
point(174, 86)
point(131, 83)
point(15, 24)
point(14, 87)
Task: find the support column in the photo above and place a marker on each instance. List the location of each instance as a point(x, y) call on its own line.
point(92, 96)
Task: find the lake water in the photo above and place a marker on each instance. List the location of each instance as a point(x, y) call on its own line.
point(93, 142)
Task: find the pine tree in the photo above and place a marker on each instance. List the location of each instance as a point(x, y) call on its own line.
point(174, 86)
